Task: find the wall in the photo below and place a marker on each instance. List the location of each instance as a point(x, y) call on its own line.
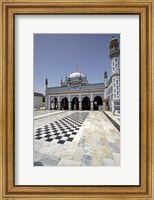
point(38, 102)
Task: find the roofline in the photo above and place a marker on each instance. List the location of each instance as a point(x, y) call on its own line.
point(55, 87)
point(38, 94)
point(81, 85)
point(95, 83)
point(76, 92)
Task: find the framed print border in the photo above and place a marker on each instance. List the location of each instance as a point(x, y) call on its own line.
point(11, 8)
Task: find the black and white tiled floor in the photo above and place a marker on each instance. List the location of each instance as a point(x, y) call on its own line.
point(76, 138)
point(62, 130)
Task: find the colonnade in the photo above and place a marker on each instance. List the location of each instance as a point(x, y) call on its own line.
point(74, 102)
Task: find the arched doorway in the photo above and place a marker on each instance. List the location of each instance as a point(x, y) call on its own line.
point(64, 104)
point(75, 104)
point(54, 104)
point(86, 103)
point(97, 102)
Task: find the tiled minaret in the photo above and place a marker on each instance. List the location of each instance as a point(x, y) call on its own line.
point(115, 66)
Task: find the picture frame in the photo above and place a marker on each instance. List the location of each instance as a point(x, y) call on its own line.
point(8, 189)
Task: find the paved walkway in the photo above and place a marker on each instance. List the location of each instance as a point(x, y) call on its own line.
point(41, 114)
point(76, 138)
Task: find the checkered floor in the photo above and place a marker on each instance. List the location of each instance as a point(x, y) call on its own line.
point(63, 129)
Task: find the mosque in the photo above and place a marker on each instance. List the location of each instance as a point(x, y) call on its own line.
point(76, 93)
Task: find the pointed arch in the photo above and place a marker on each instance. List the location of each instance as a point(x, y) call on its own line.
point(75, 104)
point(97, 102)
point(86, 103)
point(64, 104)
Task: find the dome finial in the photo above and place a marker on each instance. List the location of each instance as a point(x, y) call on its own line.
point(77, 68)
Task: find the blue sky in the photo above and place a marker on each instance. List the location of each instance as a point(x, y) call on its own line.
point(58, 55)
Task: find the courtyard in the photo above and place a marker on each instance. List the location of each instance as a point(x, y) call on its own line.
point(75, 138)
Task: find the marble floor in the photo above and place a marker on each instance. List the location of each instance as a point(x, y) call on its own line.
point(76, 138)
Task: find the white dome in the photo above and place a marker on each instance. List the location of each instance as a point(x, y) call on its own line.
point(76, 75)
point(113, 38)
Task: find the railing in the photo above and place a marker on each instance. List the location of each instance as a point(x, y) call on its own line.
point(114, 51)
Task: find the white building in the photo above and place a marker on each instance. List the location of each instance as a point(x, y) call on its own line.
point(38, 100)
point(76, 93)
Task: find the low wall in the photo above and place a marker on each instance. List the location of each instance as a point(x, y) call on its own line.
point(112, 120)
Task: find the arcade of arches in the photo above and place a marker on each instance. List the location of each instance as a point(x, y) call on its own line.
point(75, 104)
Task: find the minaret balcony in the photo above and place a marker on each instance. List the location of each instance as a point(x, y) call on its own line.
point(114, 53)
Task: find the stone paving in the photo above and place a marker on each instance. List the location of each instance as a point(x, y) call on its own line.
point(45, 113)
point(76, 138)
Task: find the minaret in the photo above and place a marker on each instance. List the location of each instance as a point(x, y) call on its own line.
point(105, 102)
point(66, 79)
point(105, 78)
point(105, 83)
point(115, 66)
point(46, 82)
point(46, 96)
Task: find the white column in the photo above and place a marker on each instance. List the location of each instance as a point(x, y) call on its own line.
point(58, 105)
point(91, 97)
point(105, 93)
point(69, 102)
point(80, 105)
point(69, 98)
point(80, 102)
point(92, 105)
point(91, 102)
point(69, 105)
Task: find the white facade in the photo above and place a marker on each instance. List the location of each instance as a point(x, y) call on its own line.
point(86, 97)
point(76, 93)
